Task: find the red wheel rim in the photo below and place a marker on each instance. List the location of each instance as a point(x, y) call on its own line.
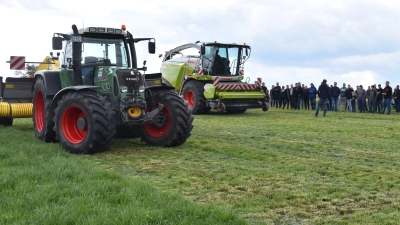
point(189, 97)
point(69, 124)
point(158, 131)
point(39, 111)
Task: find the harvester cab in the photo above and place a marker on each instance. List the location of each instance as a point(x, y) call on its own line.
point(213, 79)
point(99, 92)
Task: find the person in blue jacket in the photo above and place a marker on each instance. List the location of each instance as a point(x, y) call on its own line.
point(323, 94)
point(312, 95)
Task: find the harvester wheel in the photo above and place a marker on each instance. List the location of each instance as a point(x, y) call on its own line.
point(193, 93)
point(221, 107)
point(264, 106)
point(6, 121)
point(84, 122)
point(42, 113)
point(172, 126)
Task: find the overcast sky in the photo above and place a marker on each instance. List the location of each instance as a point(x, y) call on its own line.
point(353, 42)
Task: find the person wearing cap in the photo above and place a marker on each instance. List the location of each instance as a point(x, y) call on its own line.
point(372, 99)
point(387, 98)
point(323, 94)
point(379, 91)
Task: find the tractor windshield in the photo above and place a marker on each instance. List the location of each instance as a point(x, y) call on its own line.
point(104, 50)
point(223, 60)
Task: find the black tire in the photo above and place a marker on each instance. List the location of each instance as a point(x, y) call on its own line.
point(264, 106)
point(42, 114)
point(193, 93)
point(174, 124)
point(85, 122)
point(6, 121)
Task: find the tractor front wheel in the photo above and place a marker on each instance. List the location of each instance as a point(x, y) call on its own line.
point(172, 125)
point(84, 122)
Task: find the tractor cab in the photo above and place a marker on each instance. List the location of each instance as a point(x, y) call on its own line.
point(98, 52)
point(224, 59)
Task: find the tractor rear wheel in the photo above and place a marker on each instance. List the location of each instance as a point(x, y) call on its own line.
point(84, 122)
point(42, 113)
point(193, 93)
point(172, 125)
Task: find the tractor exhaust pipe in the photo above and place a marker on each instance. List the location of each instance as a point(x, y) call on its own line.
point(76, 58)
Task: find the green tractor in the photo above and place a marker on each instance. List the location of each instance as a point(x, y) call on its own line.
point(99, 92)
point(212, 79)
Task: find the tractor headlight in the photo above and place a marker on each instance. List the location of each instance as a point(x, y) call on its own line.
point(123, 89)
point(141, 89)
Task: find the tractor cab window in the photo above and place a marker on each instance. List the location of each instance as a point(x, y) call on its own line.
point(104, 51)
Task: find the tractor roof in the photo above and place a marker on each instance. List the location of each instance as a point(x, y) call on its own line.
point(101, 30)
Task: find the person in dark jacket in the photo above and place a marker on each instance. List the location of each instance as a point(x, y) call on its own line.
point(387, 98)
point(379, 91)
point(277, 95)
point(306, 97)
point(349, 96)
point(286, 97)
point(323, 94)
point(372, 99)
point(334, 92)
point(361, 95)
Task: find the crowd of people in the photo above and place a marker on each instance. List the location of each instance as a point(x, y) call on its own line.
point(374, 99)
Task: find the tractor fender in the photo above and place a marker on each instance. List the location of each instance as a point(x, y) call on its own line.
point(64, 91)
point(51, 80)
point(166, 82)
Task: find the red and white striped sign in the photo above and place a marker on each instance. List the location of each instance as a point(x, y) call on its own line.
point(215, 81)
point(238, 86)
point(241, 72)
point(201, 72)
point(258, 82)
point(17, 62)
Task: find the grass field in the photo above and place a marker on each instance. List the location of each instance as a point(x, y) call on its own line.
point(275, 167)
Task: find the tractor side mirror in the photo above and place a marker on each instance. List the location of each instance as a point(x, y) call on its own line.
point(57, 43)
point(202, 50)
point(247, 51)
point(152, 47)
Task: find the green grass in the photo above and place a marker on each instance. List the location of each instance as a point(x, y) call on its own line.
point(275, 167)
point(42, 184)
